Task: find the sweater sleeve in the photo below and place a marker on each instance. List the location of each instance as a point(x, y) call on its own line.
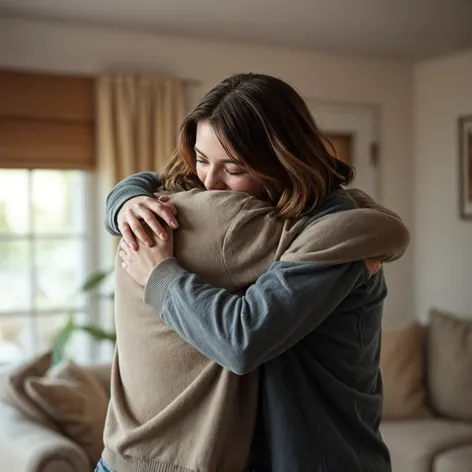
point(242, 332)
point(143, 183)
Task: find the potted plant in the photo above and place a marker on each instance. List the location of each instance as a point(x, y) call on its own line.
point(90, 286)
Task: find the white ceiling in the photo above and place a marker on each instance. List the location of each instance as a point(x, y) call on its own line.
point(409, 29)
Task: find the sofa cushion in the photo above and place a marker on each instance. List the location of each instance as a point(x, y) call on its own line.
point(415, 445)
point(27, 446)
point(66, 398)
point(450, 365)
point(455, 460)
point(102, 372)
point(12, 387)
point(402, 363)
point(74, 400)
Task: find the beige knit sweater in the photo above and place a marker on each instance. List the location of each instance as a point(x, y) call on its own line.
point(171, 408)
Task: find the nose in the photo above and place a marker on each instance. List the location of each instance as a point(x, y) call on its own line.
point(213, 180)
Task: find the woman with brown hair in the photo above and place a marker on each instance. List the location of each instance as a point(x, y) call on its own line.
point(313, 329)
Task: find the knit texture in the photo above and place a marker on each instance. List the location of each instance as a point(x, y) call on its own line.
point(173, 409)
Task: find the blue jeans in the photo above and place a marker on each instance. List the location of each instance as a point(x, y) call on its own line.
point(101, 467)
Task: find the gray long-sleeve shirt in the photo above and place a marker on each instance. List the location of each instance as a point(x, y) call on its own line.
point(136, 185)
point(313, 330)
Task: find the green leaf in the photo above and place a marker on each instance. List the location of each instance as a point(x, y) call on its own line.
point(94, 281)
point(98, 333)
point(61, 340)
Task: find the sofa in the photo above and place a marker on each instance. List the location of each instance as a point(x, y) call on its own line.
point(427, 410)
point(30, 442)
point(427, 374)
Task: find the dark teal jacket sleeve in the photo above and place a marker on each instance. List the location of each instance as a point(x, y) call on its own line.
point(143, 183)
point(242, 332)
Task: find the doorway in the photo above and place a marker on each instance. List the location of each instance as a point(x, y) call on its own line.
point(354, 133)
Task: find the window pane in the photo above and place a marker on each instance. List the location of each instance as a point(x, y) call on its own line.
point(16, 342)
point(58, 201)
point(15, 276)
point(14, 216)
point(47, 327)
point(59, 273)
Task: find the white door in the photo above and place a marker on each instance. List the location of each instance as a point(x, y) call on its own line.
point(356, 126)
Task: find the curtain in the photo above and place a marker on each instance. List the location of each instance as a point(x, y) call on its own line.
point(137, 120)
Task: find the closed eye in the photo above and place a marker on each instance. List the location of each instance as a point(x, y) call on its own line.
point(201, 160)
point(237, 172)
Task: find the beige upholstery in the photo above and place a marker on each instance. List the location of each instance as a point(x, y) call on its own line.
point(429, 445)
point(103, 373)
point(450, 365)
point(456, 460)
point(416, 445)
point(75, 401)
point(28, 446)
point(402, 365)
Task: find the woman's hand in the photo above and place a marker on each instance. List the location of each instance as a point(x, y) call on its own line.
point(373, 266)
point(143, 208)
point(140, 264)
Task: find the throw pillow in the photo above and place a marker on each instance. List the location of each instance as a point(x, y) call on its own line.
point(402, 364)
point(75, 401)
point(12, 391)
point(65, 398)
point(450, 365)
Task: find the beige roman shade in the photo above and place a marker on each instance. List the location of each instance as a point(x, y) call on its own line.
point(46, 121)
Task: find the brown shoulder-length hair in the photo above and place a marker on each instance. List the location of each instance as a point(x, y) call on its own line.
point(266, 127)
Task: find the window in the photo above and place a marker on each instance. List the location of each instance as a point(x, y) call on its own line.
point(44, 257)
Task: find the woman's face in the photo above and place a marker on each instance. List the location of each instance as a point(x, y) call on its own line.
point(216, 170)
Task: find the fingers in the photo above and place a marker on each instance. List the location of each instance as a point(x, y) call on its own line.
point(165, 199)
point(135, 228)
point(164, 209)
point(128, 236)
point(123, 253)
point(151, 220)
point(373, 266)
point(124, 248)
point(131, 227)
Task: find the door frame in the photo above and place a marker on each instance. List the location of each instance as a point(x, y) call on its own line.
point(371, 108)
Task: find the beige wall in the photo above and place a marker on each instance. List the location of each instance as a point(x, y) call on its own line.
point(66, 48)
point(442, 242)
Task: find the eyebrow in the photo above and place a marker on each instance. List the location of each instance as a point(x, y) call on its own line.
point(224, 161)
